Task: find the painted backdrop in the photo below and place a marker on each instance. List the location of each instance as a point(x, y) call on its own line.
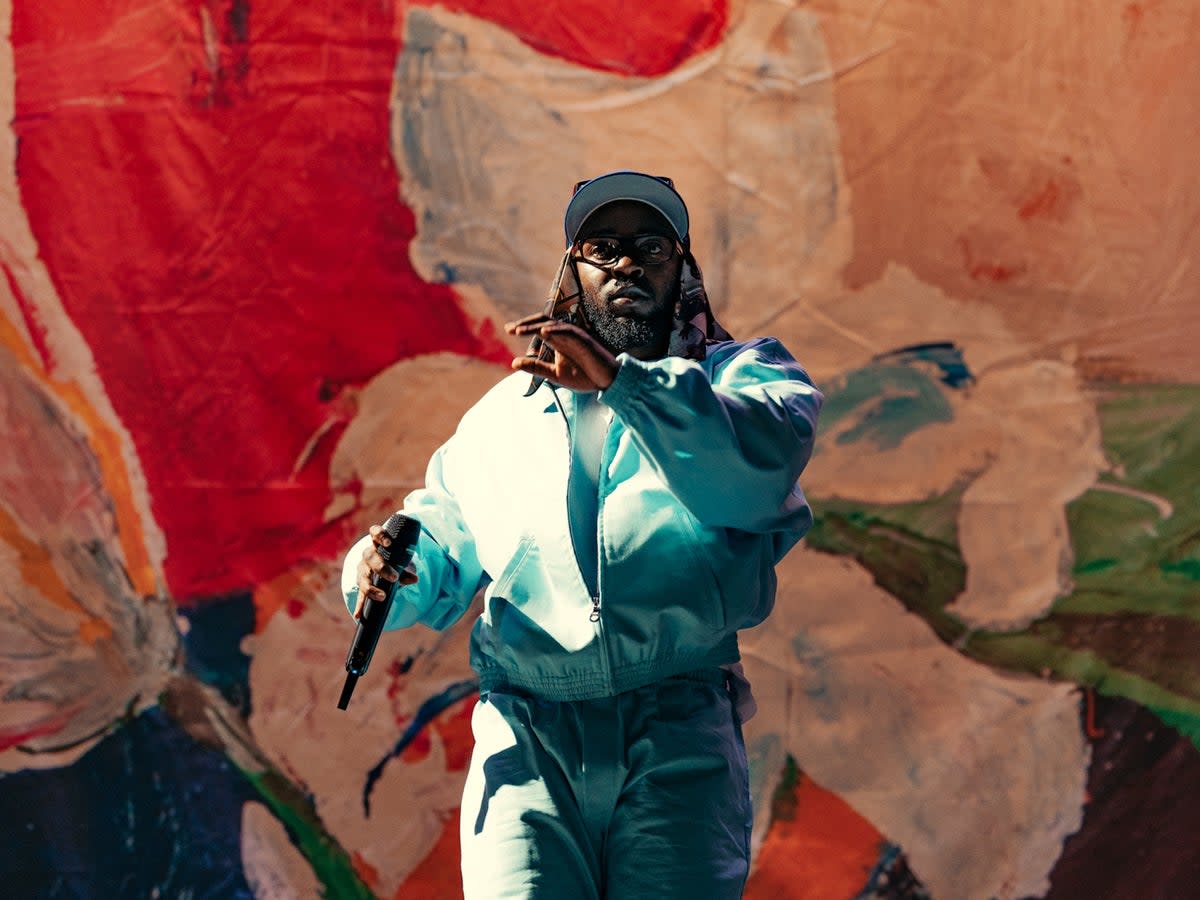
point(255, 255)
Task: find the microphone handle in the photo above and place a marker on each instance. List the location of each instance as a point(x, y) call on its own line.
point(370, 627)
point(403, 532)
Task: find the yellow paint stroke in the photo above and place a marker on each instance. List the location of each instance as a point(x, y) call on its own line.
point(37, 570)
point(106, 445)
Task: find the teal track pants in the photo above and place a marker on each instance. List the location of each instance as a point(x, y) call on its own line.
point(642, 795)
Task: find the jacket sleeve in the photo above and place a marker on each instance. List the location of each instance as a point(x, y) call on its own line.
point(448, 569)
point(730, 448)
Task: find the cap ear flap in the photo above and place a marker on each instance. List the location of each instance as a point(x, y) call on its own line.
point(695, 324)
point(692, 296)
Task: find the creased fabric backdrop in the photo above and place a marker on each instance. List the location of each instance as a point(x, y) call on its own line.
point(255, 255)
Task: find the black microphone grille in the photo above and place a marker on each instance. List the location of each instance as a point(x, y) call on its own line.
point(402, 530)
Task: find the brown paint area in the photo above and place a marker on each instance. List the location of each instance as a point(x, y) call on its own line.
point(1161, 649)
point(1139, 829)
point(1037, 157)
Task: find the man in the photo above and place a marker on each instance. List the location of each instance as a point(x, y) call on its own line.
point(626, 517)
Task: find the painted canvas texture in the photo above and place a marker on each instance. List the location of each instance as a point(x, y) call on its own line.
point(256, 256)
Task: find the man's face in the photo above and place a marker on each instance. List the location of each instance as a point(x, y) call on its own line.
point(630, 304)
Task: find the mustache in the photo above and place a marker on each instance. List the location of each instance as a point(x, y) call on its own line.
point(631, 288)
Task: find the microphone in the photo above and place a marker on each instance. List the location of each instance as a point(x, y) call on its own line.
point(403, 532)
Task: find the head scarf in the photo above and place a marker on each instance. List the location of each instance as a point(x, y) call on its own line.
point(695, 325)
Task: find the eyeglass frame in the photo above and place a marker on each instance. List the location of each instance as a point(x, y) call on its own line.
point(627, 246)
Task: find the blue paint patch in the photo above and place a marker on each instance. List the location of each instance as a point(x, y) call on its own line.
point(900, 393)
point(891, 878)
point(444, 273)
point(945, 355)
point(213, 645)
point(147, 812)
point(759, 754)
point(814, 677)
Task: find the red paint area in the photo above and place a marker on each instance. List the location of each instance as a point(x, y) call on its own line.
point(232, 245)
point(631, 37)
point(982, 268)
point(453, 727)
point(420, 746)
point(817, 847)
point(12, 737)
point(212, 191)
point(33, 323)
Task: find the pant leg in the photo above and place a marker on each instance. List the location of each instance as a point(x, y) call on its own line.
point(523, 836)
point(681, 827)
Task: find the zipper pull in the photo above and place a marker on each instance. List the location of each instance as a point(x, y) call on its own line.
point(595, 616)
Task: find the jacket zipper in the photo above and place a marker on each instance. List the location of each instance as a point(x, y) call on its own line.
point(594, 615)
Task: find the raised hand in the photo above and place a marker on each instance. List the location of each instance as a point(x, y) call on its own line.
point(580, 362)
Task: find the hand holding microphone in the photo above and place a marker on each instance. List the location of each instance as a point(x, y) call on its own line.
point(383, 567)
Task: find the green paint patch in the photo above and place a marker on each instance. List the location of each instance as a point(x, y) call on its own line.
point(1186, 723)
point(935, 518)
point(1189, 568)
point(924, 573)
point(1131, 625)
point(783, 802)
point(1136, 536)
point(1109, 593)
point(330, 863)
point(1043, 655)
point(1152, 433)
point(1113, 528)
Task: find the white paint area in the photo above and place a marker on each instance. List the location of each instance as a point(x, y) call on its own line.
point(978, 775)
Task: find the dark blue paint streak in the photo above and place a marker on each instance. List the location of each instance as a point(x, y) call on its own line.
point(426, 714)
point(891, 878)
point(146, 812)
point(213, 645)
point(946, 355)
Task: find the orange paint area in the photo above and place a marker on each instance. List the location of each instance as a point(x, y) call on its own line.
point(817, 847)
point(285, 591)
point(37, 571)
point(105, 443)
point(363, 869)
point(438, 876)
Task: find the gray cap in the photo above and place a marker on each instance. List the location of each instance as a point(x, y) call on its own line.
point(658, 193)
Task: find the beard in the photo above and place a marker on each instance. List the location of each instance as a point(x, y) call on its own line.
point(630, 331)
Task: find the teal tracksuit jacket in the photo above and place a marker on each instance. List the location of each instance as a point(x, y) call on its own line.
point(698, 499)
